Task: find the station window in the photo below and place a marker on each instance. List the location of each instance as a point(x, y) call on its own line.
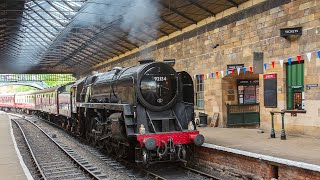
point(295, 86)
point(200, 92)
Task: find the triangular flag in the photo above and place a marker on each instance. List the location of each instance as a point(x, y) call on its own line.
point(221, 73)
point(217, 74)
point(281, 62)
point(289, 60)
point(272, 64)
point(265, 66)
point(212, 75)
point(199, 76)
point(207, 76)
point(238, 71)
point(251, 68)
point(202, 75)
point(299, 58)
point(227, 72)
point(194, 76)
point(232, 71)
point(319, 54)
point(309, 56)
point(244, 70)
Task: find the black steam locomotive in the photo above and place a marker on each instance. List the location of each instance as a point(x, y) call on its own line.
point(145, 112)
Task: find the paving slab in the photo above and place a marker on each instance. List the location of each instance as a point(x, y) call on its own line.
point(11, 163)
point(296, 148)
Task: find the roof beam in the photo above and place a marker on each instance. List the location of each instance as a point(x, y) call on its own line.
point(56, 8)
point(195, 3)
point(176, 11)
point(58, 21)
point(233, 2)
point(170, 23)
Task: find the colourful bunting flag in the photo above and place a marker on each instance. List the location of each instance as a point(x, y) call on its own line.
point(281, 62)
point(221, 74)
point(244, 70)
point(212, 75)
point(299, 58)
point(319, 54)
point(227, 72)
point(207, 76)
point(238, 71)
point(194, 76)
point(251, 68)
point(232, 71)
point(309, 56)
point(265, 66)
point(199, 76)
point(289, 60)
point(272, 64)
point(217, 74)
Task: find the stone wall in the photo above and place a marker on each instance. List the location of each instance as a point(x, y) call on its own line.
point(247, 167)
point(253, 27)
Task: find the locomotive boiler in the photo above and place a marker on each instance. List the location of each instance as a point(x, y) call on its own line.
point(145, 111)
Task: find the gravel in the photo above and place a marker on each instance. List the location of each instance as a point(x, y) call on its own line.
point(112, 168)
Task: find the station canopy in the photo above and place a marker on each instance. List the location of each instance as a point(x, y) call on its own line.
point(73, 35)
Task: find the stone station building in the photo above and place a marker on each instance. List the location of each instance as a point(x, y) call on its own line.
point(243, 37)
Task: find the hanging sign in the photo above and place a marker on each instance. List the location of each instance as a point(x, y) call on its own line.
point(290, 31)
point(234, 66)
point(308, 86)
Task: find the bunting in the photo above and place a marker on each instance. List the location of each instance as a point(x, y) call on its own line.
point(281, 62)
point(265, 66)
point(289, 60)
point(299, 58)
point(309, 56)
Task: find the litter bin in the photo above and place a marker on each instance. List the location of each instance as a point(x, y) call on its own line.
point(203, 119)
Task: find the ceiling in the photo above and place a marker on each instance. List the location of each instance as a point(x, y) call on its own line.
point(73, 35)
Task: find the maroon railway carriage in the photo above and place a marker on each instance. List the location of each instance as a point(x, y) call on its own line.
point(25, 101)
point(7, 101)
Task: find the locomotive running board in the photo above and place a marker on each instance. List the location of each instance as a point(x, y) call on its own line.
point(111, 106)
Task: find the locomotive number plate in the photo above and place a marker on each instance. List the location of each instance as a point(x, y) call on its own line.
point(160, 78)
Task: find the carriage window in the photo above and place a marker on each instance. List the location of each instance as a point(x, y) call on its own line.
point(200, 92)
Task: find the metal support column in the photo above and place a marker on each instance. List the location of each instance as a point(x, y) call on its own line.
point(283, 133)
point(273, 134)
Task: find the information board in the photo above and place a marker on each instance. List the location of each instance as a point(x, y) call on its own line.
point(270, 90)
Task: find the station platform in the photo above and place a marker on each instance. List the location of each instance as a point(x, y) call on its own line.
point(12, 166)
point(298, 149)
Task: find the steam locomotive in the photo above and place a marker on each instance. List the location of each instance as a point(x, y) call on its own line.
point(143, 112)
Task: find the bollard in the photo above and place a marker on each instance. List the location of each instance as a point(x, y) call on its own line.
point(273, 134)
point(283, 133)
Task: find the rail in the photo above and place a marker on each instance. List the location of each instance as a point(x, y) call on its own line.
point(82, 167)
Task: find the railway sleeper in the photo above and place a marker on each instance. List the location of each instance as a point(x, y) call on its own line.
point(62, 172)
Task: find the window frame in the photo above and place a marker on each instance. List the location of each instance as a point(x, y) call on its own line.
point(199, 89)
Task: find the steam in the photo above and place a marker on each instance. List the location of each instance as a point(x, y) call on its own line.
point(133, 17)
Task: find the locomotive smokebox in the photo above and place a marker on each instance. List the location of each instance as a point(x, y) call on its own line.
point(150, 143)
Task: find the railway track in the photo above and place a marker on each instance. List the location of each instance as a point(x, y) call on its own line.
point(133, 172)
point(54, 160)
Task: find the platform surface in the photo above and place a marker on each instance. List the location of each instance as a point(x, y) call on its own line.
point(296, 148)
point(10, 167)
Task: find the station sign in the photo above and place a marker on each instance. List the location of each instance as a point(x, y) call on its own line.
point(269, 76)
point(291, 31)
point(308, 86)
point(248, 82)
point(234, 66)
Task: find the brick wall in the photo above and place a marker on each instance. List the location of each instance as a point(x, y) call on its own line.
point(248, 168)
point(253, 27)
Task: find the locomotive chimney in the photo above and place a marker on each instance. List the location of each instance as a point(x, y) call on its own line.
point(145, 61)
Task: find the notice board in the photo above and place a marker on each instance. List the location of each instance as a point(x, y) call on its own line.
point(270, 90)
